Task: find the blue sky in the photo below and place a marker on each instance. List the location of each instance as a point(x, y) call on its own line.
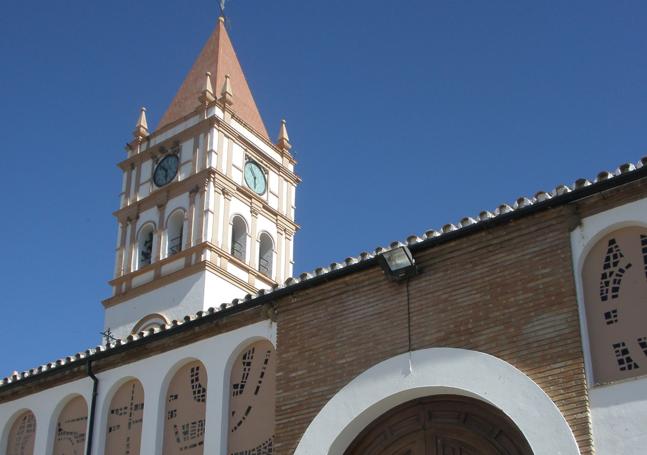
point(404, 116)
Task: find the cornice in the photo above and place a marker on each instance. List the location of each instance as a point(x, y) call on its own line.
point(187, 270)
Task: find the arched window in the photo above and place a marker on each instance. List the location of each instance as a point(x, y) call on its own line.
point(145, 246)
point(125, 416)
point(252, 396)
point(239, 238)
point(174, 233)
point(184, 419)
point(22, 435)
point(152, 321)
point(265, 255)
point(614, 278)
point(71, 428)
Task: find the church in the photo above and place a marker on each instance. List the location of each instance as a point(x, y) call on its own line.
point(521, 330)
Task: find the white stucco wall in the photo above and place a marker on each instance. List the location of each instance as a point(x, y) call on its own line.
point(218, 291)
point(175, 300)
point(619, 410)
point(155, 373)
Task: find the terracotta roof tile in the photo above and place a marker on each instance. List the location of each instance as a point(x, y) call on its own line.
point(217, 57)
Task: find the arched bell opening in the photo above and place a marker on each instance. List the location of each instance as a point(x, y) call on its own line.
point(441, 425)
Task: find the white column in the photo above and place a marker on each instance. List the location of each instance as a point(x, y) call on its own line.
point(154, 410)
point(208, 216)
point(288, 254)
point(190, 216)
point(217, 221)
point(226, 225)
point(279, 269)
point(221, 152)
point(209, 212)
point(212, 147)
point(215, 436)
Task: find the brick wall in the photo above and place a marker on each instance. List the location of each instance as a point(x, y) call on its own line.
point(507, 291)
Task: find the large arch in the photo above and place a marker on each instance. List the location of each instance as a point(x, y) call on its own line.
point(251, 397)
point(124, 419)
point(441, 425)
point(185, 410)
point(22, 434)
point(232, 359)
point(71, 428)
point(438, 371)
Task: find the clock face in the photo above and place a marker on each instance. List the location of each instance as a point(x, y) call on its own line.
point(166, 170)
point(255, 177)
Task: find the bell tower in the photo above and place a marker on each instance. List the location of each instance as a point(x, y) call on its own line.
point(207, 202)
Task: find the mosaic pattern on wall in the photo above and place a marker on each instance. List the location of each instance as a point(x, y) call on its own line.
point(252, 401)
point(22, 435)
point(125, 418)
point(615, 290)
point(184, 420)
point(71, 428)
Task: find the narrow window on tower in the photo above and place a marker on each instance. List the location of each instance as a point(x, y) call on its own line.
point(265, 255)
point(239, 238)
point(145, 245)
point(174, 231)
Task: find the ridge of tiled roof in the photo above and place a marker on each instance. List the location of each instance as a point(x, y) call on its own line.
point(365, 258)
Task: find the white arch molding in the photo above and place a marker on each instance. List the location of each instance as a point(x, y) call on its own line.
point(432, 372)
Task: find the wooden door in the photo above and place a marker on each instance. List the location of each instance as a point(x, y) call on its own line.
point(441, 425)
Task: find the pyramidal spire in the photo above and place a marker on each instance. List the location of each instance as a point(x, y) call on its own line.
point(218, 58)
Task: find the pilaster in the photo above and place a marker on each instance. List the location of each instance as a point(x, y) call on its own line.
point(132, 247)
point(159, 235)
point(121, 249)
point(280, 247)
point(221, 141)
point(230, 157)
point(253, 244)
point(287, 262)
point(217, 221)
point(189, 235)
point(226, 225)
point(129, 182)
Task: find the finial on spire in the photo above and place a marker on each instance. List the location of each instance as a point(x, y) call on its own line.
point(283, 141)
point(141, 129)
point(207, 95)
point(227, 95)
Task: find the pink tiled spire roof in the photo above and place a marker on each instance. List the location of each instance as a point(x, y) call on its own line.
point(218, 57)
